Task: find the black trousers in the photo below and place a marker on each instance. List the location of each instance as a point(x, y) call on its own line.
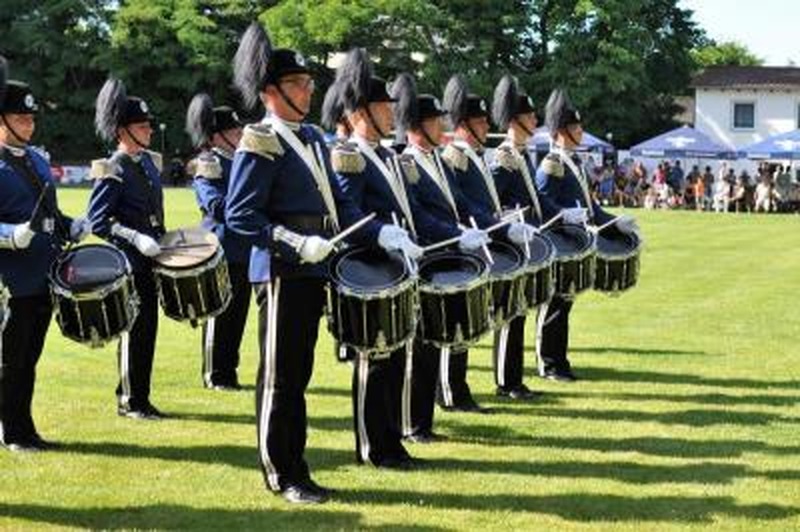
point(509, 354)
point(376, 391)
point(419, 388)
point(552, 340)
point(137, 347)
point(222, 335)
point(20, 348)
point(453, 389)
point(289, 314)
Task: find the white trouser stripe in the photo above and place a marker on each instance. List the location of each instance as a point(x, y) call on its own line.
point(502, 343)
point(444, 376)
point(124, 368)
point(2, 333)
point(405, 410)
point(540, 323)
point(273, 295)
point(361, 399)
point(209, 349)
point(342, 352)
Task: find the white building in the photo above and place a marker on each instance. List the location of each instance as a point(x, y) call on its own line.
point(736, 106)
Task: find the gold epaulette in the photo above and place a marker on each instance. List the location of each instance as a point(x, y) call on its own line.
point(346, 159)
point(104, 169)
point(504, 156)
point(157, 159)
point(262, 140)
point(552, 165)
point(206, 166)
point(409, 166)
point(455, 157)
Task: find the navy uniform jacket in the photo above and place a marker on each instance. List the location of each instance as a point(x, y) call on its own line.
point(510, 180)
point(211, 180)
point(559, 188)
point(25, 271)
point(468, 187)
point(430, 202)
point(127, 191)
point(272, 186)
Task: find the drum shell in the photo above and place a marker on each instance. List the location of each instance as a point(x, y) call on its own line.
point(375, 321)
point(197, 293)
point(508, 288)
point(616, 273)
point(95, 317)
point(573, 270)
point(539, 279)
point(455, 316)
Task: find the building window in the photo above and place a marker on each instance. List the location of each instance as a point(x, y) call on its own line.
point(744, 115)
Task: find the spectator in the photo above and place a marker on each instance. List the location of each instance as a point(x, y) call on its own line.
point(708, 186)
point(676, 178)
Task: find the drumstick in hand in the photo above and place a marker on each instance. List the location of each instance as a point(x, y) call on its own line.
point(551, 221)
point(485, 247)
point(353, 228)
point(527, 248)
point(412, 267)
point(607, 224)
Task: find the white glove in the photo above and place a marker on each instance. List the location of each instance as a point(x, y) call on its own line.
point(22, 235)
point(394, 238)
point(575, 215)
point(627, 225)
point(519, 233)
point(146, 245)
point(80, 229)
point(315, 249)
point(473, 239)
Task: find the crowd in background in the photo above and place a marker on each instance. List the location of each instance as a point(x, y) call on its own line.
point(704, 188)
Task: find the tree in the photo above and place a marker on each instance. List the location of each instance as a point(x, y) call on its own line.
point(728, 53)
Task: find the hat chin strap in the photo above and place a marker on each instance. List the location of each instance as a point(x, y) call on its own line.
point(373, 122)
point(474, 135)
point(227, 141)
point(13, 131)
point(523, 127)
point(289, 101)
point(135, 138)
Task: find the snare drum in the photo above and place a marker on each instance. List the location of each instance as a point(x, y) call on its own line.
point(507, 280)
point(192, 275)
point(455, 299)
point(617, 265)
point(573, 270)
point(93, 294)
point(539, 285)
point(371, 301)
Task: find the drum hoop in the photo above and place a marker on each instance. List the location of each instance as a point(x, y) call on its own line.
point(59, 289)
point(468, 286)
point(349, 290)
point(97, 294)
point(634, 252)
point(591, 249)
point(194, 271)
point(369, 295)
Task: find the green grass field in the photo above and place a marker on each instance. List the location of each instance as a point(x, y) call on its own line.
point(687, 416)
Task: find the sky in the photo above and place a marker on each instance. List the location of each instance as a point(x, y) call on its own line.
point(769, 28)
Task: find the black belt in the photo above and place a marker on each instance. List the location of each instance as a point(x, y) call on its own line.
point(306, 223)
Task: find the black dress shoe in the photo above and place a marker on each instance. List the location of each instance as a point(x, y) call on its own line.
point(467, 406)
point(302, 494)
point(518, 393)
point(427, 436)
point(147, 412)
point(560, 376)
point(22, 447)
point(44, 445)
point(396, 463)
point(225, 386)
point(313, 486)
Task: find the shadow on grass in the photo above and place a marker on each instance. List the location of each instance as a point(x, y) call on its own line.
point(178, 517)
point(652, 446)
point(231, 455)
point(616, 375)
point(585, 507)
point(688, 418)
point(720, 399)
point(645, 351)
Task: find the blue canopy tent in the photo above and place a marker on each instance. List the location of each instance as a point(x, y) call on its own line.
point(541, 142)
point(785, 146)
point(683, 143)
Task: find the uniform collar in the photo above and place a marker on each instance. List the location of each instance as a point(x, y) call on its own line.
point(222, 153)
point(294, 126)
point(371, 143)
point(137, 157)
point(16, 151)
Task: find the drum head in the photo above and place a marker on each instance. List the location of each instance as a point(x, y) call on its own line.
point(569, 239)
point(450, 269)
point(89, 267)
point(616, 243)
point(368, 270)
point(507, 257)
point(187, 248)
point(541, 250)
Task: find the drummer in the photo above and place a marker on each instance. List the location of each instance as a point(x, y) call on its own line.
point(126, 208)
point(436, 218)
point(32, 231)
point(216, 131)
point(563, 188)
point(365, 170)
point(285, 198)
point(513, 172)
point(477, 197)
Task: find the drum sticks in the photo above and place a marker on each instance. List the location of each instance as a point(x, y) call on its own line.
point(353, 228)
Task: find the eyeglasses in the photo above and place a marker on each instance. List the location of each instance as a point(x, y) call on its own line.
point(305, 83)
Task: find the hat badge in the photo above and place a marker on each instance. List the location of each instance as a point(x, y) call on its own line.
point(30, 103)
point(436, 104)
point(143, 106)
point(483, 105)
point(235, 116)
point(299, 59)
point(577, 115)
point(530, 101)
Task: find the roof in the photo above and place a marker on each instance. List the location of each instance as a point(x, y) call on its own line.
point(736, 77)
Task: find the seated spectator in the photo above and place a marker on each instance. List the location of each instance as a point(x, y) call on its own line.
point(721, 195)
point(765, 196)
